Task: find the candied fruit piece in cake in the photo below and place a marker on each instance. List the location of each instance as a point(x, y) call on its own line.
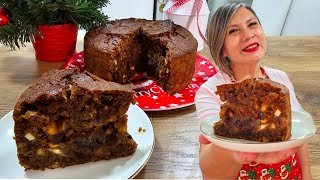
point(255, 109)
point(67, 117)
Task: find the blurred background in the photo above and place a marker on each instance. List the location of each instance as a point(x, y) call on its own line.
point(284, 17)
point(278, 17)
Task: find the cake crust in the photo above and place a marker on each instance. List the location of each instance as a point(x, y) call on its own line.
point(54, 82)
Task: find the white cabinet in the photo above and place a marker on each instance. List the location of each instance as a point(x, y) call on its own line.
point(282, 17)
point(289, 17)
point(303, 18)
point(119, 9)
point(272, 14)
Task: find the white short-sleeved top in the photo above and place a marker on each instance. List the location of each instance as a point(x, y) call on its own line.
point(208, 103)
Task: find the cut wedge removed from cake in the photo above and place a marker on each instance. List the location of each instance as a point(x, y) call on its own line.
point(255, 109)
point(67, 117)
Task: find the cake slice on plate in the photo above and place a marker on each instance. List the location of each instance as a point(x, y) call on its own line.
point(67, 117)
point(255, 109)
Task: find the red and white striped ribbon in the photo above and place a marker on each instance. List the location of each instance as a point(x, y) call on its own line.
point(198, 11)
point(179, 3)
point(176, 5)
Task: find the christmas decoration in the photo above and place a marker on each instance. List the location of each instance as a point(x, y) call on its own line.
point(287, 169)
point(272, 172)
point(3, 20)
point(5, 12)
point(23, 17)
point(252, 174)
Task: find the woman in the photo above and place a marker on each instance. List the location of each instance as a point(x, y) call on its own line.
point(237, 43)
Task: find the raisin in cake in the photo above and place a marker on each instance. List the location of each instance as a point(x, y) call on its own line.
point(67, 117)
point(162, 49)
point(254, 109)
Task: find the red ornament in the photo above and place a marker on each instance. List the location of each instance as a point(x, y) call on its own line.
point(5, 12)
point(3, 20)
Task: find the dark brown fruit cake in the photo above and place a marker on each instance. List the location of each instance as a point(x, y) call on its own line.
point(67, 117)
point(255, 109)
point(119, 49)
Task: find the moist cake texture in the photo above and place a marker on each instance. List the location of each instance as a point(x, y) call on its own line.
point(119, 49)
point(67, 117)
point(254, 109)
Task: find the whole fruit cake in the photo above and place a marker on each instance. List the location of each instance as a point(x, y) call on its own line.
point(119, 49)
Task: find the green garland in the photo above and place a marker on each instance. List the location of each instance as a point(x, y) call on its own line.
point(28, 14)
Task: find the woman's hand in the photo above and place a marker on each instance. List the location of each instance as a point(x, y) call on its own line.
point(216, 162)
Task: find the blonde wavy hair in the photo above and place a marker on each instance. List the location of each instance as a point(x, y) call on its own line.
point(217, 32)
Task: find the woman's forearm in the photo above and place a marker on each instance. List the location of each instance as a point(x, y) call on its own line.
point(303, 154)
point(217, 163)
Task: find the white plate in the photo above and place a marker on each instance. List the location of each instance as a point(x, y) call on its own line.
point(121, 168)
point(303, 129)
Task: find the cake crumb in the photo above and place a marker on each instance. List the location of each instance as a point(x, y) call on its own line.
point(141, 130)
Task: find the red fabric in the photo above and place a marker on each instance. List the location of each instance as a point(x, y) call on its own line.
point(287, 169)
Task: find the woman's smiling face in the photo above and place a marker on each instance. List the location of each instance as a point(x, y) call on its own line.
point(245, 41)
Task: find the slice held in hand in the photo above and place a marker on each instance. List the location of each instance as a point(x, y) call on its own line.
point(67, 117)
point(255, 109)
